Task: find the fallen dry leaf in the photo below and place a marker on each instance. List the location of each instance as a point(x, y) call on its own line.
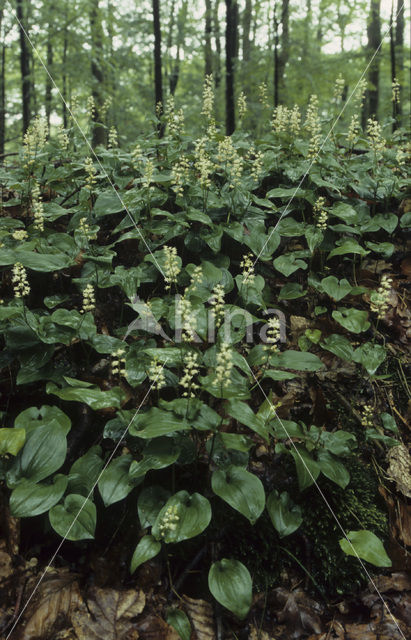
point(153, 627)
point(108, 615)
point(200, 613)
point(299, 612)
point(56, 596)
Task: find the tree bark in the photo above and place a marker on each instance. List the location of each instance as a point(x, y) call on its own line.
point(230, 48)
point(276, 67)
point(64, 82)
point(181, 30)
point(285, 49)
point(399, 47)
point(217, 36)
point(158, 75)
point(96, 29)
point(374, 39)
point(248, 10)
point(208, 52)
point(48, 90)
point(26, 86)
point(2, 82)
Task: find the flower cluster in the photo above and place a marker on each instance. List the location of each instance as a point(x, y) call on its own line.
point(91, 107)
point(247, 266)
point(339, 88)
point(273, 334)
point(188, 319)
point(263, 95)
point(320, 213)
point(20, 282)
point(19, 234)
point(353, 130)
point(280, 119)
point(203, 163)
point(37, 207)
point(105, 107)
point(396, 88)
point(118, 363)
point(217, 303)
point(112, 138)
point(231, 161)
point(156, 374)
point(136, 156)
point(175, 119)
point(312, 123)
point(169, 520)
point(85, 229)
point(256, 160)
point(89, 299)
point(379, 298)
point(367, 416)
point(374, 132)
point(91, 171)
point(147, 176)
point(294, 121)
point(190, 371)
point(63, 139)
point(208, 98)
point(196, 277)
point(181, 174)
point(34, 140)
point(171, 265)
point(242, 105)
point(224, 365)
point(359, 96)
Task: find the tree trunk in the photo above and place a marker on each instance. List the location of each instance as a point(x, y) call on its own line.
point(26, 87)
point(158, 77)
point(113, 71)
point(374, 39)
point(285, 49)
point(64, 82)
point(208, 52)
point(217, 36)
point(2, 82)
point(248, 9)
point(181, 30)
point(393, 71)
point(48, 91)
point(276, 68)
point(399, 47)
point(96, 29)
point(230, 47)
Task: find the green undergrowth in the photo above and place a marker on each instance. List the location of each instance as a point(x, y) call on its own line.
point(149, 333)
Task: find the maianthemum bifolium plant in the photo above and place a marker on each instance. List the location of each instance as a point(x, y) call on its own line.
point(155, 269)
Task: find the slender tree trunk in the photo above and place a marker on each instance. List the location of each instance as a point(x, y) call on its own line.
point(181, 30)
point(276, 67)
point(25, 67)
point(167, 61)
point(208, 52)
point(112, 73)
point(374, 39)
point(248, 10)
point(285, 49)
point(217, 37)
point(158, 76)
point(393, 71)
point(64, 82)
point(48, 91)
point(399, 47)
point(230, 47)
point(2, 82)
point(96, 30)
